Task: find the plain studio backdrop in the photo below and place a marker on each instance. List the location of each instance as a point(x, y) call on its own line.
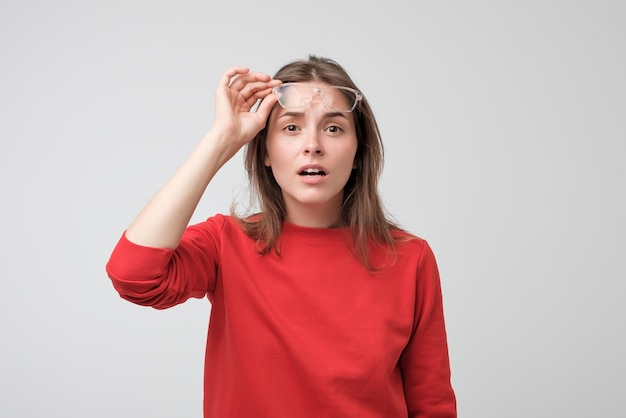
point(505, 129)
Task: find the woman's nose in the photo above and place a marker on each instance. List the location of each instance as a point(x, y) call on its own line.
point(313, 145)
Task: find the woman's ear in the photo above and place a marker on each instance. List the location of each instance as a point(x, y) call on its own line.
point(267, 161)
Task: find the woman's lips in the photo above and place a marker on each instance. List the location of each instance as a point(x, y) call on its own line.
point(312, 173)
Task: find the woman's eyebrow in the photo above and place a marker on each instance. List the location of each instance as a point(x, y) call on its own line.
point(291, 114)
point(335, 114)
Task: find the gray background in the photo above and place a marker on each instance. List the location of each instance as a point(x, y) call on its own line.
point(504, 125)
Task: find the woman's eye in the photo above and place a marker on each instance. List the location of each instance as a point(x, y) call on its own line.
point(291, 128)
point(334, 129)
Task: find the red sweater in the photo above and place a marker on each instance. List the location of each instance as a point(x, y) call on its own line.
point(307, 333)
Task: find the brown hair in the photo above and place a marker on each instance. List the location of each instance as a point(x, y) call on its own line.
point(362, 209)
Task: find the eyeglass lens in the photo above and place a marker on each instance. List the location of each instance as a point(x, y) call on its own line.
point(298, 95)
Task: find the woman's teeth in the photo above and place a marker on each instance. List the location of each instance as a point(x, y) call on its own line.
point(312, 172)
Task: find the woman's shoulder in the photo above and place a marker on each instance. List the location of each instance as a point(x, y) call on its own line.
point(218, 223)
point(402, 235)
point(408, 242)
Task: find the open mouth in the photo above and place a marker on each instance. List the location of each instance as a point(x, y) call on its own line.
point(312, 172)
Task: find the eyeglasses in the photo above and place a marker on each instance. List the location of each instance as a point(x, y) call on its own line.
point(298, 95)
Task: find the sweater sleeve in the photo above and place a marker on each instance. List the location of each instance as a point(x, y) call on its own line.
point(162, 278)
point(425, 361)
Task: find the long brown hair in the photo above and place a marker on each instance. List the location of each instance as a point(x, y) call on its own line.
point(362, 210)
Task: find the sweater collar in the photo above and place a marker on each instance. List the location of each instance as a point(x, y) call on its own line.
point(304, 232)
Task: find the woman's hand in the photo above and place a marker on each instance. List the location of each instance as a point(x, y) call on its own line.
point(238, 91)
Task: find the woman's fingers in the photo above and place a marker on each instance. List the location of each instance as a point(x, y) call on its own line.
point(240, 79)
point(266, 105)
point(243, 86)
point(238, 92)
point(227, 76)
point(251, 92)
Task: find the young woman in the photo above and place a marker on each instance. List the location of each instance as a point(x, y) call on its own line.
point(321, 307)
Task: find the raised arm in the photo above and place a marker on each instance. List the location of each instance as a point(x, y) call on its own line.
point(163, 220)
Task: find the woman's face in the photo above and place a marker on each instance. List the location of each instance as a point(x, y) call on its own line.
point(311, 151)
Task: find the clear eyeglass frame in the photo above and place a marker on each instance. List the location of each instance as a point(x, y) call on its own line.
point(353, 96)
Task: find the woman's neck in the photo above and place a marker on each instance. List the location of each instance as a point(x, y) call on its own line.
point(314, 216)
